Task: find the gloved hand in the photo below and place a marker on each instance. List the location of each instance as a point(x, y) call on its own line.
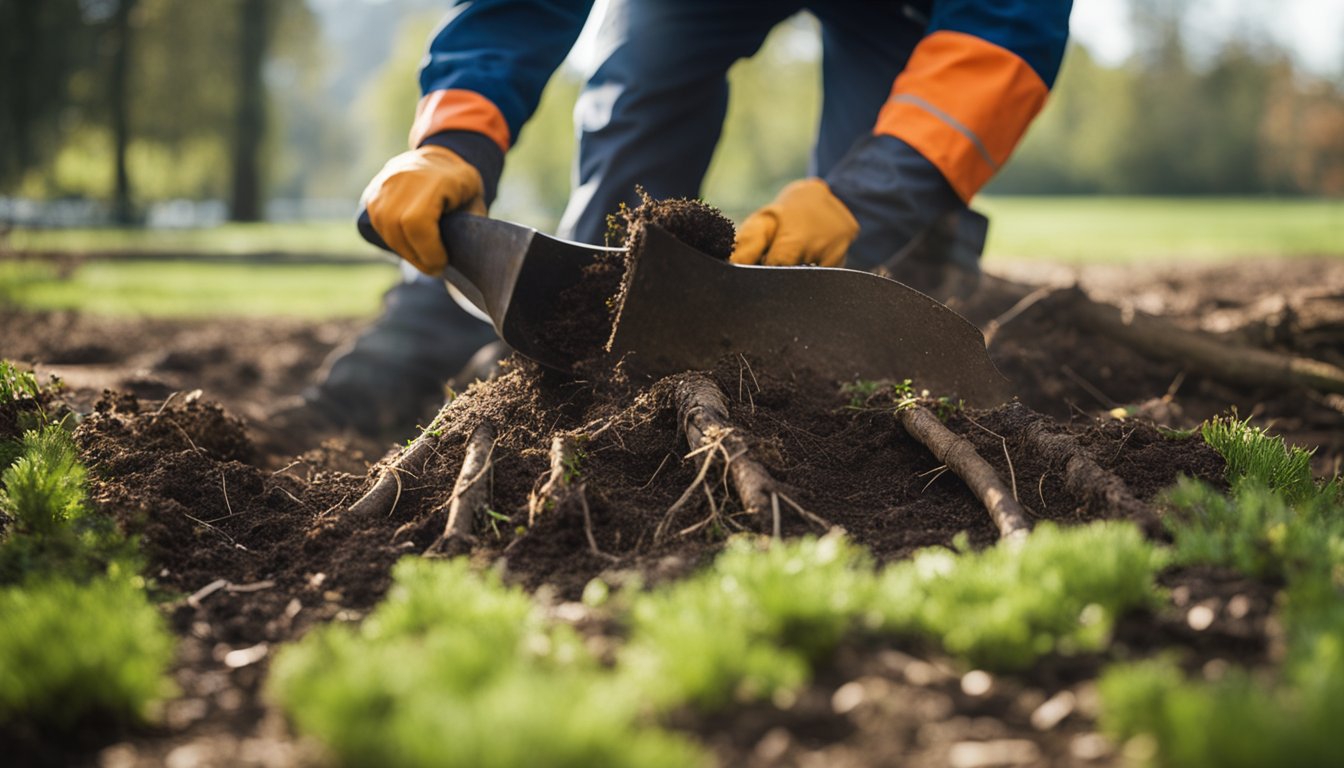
point(805, 224)
point(412, 192)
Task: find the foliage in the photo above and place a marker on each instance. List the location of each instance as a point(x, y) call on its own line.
point(71, 652)
point(78, 640)
point(16, 384)
point(1254, 456)
point(52, 531)
point(1255, 530)
point(1241, 719)
point(1060, 591)
point(1277, 523)
point(455, 668)
point(749, 626)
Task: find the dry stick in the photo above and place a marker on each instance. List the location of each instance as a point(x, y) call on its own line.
point(702, 410)
point(1218, 359)
point(382, 498)
point(960, 456)
point(1084, 478)
point(471, 492)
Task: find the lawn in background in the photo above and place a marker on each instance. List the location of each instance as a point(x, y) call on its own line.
point(1072, 230)
point(186, 289)
point(1082, 230)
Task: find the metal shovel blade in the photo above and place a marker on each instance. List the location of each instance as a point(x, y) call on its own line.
point(513, 274)
point(684, 310)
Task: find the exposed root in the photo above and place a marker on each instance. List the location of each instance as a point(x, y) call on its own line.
point(1202, 352)
point(961, 457)
point(702, 410)
point(1103, 491)
point(471, 492)
point(564, 487)
point(564, 456)
point(381, 500)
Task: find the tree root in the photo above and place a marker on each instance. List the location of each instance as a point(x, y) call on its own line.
point(471, 493)
point(1203, 353)
point(702, 411)
point(961, 457)
point(564, 487)
point(381, 500)
point(1100, 489)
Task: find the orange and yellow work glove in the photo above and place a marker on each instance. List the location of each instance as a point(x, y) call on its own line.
point(408, 197)
point(805, 224)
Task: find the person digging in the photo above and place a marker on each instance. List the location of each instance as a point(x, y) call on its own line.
point(922, 103)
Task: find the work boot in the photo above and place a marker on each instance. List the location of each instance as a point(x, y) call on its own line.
point(943, 261)
point(392, 378)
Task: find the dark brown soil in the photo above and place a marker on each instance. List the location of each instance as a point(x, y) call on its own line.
point(249, 556)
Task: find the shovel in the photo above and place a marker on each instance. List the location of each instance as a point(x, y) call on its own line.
point(684, 310)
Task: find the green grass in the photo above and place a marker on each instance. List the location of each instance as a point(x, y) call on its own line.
point(456, 669)
point(328, 238)
point(1085, 230)
point(184, 289)
point(79, 640)
point(1276, 523)
point(72, 652)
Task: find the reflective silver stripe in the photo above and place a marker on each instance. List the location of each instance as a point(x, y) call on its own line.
point(950, 120)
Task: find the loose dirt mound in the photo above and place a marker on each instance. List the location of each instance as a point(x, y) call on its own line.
point(569, 477)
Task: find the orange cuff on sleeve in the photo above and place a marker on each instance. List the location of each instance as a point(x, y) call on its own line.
point(456, 109)
point(963, 103)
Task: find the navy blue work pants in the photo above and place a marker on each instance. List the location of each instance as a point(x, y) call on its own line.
point(653, 110)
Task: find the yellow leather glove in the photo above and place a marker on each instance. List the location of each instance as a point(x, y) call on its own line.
point(805, 224)
point(411, 193)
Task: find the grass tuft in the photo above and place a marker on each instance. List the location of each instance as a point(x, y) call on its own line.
point(73, 652)
point(1059, 591)
point(749, 626)
point(455, 668)
point(1253, 455)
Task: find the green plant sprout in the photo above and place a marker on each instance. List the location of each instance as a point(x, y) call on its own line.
point(1276, 523)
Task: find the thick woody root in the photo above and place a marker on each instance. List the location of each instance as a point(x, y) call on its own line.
point(1102, 491)
point(702, 410)
point(961, 457)
point(564, 489)
point(470, 498)
point(1219, 359)
point(381, 500)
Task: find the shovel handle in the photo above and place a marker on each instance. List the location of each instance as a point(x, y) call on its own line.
point(366, 230)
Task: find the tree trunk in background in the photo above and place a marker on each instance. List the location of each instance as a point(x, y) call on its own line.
point(250, 122)
point(119, 94)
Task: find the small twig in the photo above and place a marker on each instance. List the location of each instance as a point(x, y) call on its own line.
point(937, 472)
point(1012, 474)
point(774, 515)
point(1022, 305)
point(588, 526)
point(1088, 387)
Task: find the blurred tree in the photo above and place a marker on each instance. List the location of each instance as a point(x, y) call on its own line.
point(249, 122)
point(119, 96)
point(42, 44)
